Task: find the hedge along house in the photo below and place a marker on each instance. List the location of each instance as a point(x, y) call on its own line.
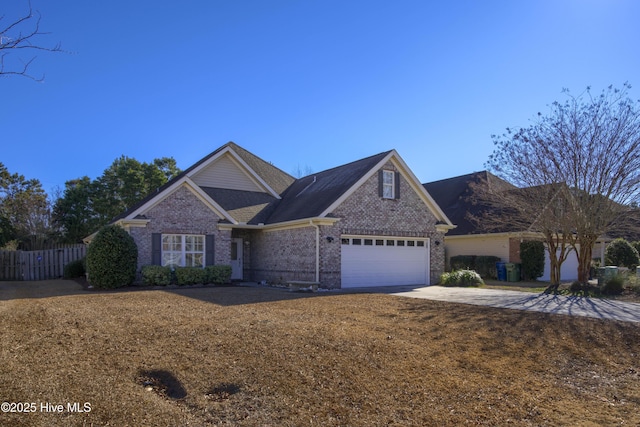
point(366, 223)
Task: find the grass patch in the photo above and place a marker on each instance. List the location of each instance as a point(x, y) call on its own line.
point(534, 287)
point(265, 357)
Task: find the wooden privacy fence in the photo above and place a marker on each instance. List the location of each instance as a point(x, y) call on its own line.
point(38, 265)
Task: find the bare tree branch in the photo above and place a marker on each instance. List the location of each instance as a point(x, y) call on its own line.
point(587, 147)
point(22, 35)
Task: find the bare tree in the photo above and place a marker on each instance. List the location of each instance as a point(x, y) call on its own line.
point(536, 212)
point(22, 35)
point(587, 148)
point(300, 171)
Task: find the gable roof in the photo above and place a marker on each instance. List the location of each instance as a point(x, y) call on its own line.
point(455, 197)
point(273, 176)
point(310, 196)
point(280, 197)
point(273, 179)
point(248, 207)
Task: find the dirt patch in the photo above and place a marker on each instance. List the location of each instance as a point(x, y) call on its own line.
point(264, 357)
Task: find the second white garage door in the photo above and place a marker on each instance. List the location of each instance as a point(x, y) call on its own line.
point(384, 261)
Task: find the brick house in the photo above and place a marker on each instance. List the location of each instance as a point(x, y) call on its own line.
point(456, 198)
point(366, 223)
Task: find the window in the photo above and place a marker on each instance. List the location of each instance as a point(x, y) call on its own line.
point(180, 250)
point(388, 184)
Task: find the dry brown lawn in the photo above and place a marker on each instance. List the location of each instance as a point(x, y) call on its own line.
point(264, 357)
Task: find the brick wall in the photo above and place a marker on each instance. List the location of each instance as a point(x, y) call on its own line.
point(281, 255)
point(278, 256)
point(289, 254)
point(181, 213)
point(365, 213)
point(514, 250)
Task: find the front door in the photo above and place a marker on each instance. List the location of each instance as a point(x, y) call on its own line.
point(236, 259)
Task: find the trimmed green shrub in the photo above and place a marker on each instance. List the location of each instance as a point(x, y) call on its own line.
point(532, 259)
point(74, 269)
point(613, 286)
point(584, 289)
point(636, 246)
point(576, 287)
point(156, 275)
point(621, 253)
point(462, 262)
point(112, 258)
point(189, 275)
point(461, 278)
point(485, 266)
point(217, 274)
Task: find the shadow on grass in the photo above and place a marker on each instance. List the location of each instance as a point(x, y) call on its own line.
point(224, 295)
point(249, 293)
point(222, 392)
point(162, 382)
point(243, 294)
point(39, 289)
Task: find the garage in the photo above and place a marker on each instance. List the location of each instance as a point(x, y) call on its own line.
point(568, 271)
point(384, 261)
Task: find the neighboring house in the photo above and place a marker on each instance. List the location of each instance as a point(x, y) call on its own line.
point(366, 223)
point(456, 198)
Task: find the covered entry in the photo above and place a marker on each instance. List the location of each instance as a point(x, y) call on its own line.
point(384, 261)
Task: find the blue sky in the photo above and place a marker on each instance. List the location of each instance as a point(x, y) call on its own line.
point(308, 84)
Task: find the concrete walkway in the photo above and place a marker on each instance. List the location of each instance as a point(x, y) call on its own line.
point(558, 304)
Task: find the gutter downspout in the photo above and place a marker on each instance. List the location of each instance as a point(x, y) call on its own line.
point(317, 279)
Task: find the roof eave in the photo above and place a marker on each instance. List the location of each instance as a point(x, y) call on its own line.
point(296, 223)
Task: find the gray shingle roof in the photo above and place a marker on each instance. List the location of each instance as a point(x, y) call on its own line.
point(455, 198)
point(308, 197)
point(274, 177)
point(250, 207)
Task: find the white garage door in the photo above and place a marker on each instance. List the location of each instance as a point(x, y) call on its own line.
point(568, 271)
point(384, 261)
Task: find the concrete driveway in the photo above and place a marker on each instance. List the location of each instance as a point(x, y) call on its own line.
point(556, 304)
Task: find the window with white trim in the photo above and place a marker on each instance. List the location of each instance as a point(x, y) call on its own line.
point(183, 250)
point(388, 184)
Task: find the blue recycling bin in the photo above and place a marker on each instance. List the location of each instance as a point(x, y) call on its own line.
point(501, 269)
